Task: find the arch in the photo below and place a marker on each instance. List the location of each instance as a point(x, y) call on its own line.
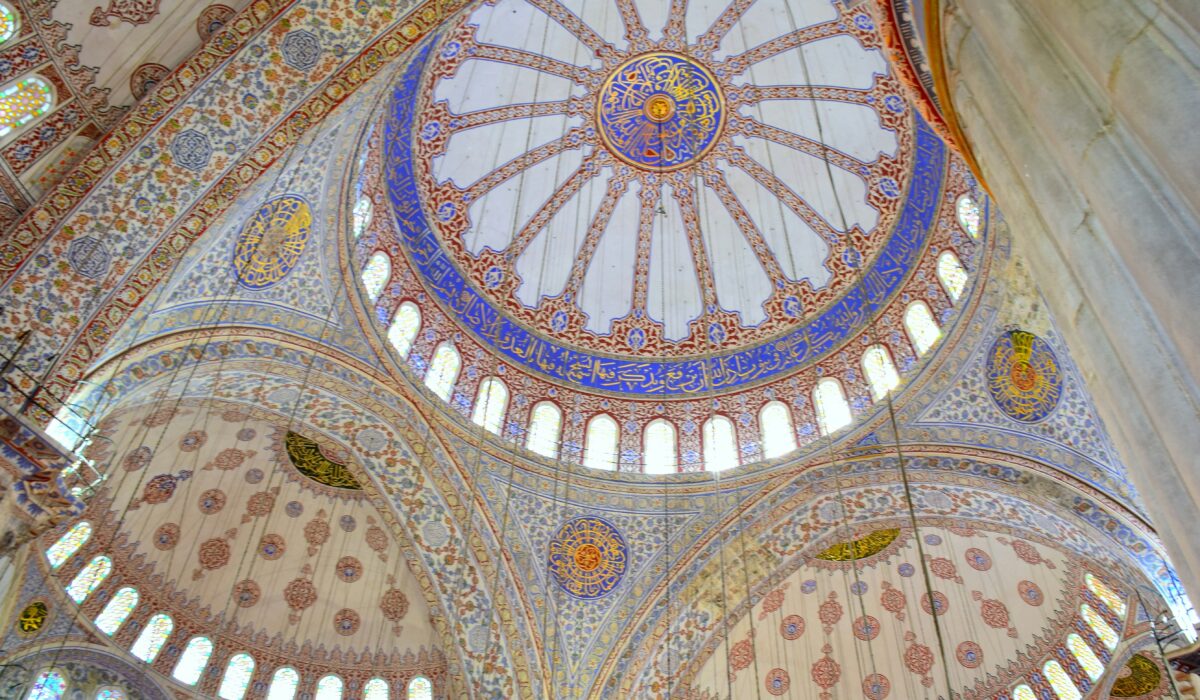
point(376, 273)
point(1024, 692)
point(490, 405)
point(237, 677)
point(923, 331)
point(420, 688)
point(375, 689)
point(1108, 636)
point(443, 370)
point(952, 274)
point(68, 544)
point(329, 688)
point(1107, 595)
point(284, 684)
point(110, 693)
point(970, 217)
point(9, 22)
point(545, 425)
point(361, 215)
point(405, 326)
point(601, 442)
point(659, 449)
point(113, 615)
point(1062, 684)
point(50, 684)
point(153, 637)
point(720, 444)
point(89, 578)
point(776, 430)
point(1088, 661)
point(193, 660)
point(22, 102)
point(833, 411)
point(880, 371)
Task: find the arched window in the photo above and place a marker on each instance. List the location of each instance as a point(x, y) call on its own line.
point(922, 330)
point(443, 371)
point(1102, 629)
point(490, 405)
point(969, 215)
point(720, 444)
point(237, 677)
point(880, 371)
point(89, 578)
point(775, 426)
point(833, 413)
point(1024, 692)
point(22, 102)
point(68, 544)
point(8, 22)
point(375, 275)
point(361, 215)
point(375, 689)
point(545, 423)
point(1106, 595)
point(420, 688)
point(284, 684)
point(600, 442)
point(50, 685)
point(658, 448)
point(329, 688)
point(111, 694)
point(1087, 658)
point(950, 271)
point(110, 618)
point(404, 328)
point(1063, 686)
point(191, 664)
point(152, 638)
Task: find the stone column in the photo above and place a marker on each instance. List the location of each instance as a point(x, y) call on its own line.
point(1083, 116)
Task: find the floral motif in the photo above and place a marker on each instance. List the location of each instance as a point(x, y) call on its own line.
point(299, 594)
point(741, 655)
point(918, 659)
point(229, 458)
point(893, 600)
point(1030, 593)
point(271, 547)
point(316, 532)
point(213, 554)
point(826, 672)
point(132, 11)
point(346, 622)
point(259, 505)
point(778, 681)
point(394, 605)
point(939, 606)
point(876, 686)
point(969, 654)
point(994, 613)
point(246, 593)
point(866, 628)
point(191, 150)
point(945, 569)
point(792, 627)
point(166, 536)
point(137, 459)
point(772, 602)
point(377, 540)
point(978, 559)
point(193, 441)
point(211, 501)
point(161, 416)
point(830, 612)
point(349, 569)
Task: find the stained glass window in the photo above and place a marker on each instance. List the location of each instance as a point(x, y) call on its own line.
point(659, 447)
point(922, 329)
point(880, 371)
point(68, 544)
point(50, 685)
point(1086, 657)
point(443, 371)
point(1106, 595)
point(600, 443)
point(490, 405)
point(720, 444)
point(111, 694)
point(404, 328)
point(545, 422)
point(375, 275)
point(8, 22)
point(89, 578)
point(110, 618)
point(375, 689)
point(778, 436)
point(237, 677)
point(329, 688)
point(950, 271)
point(1102, 629)
point(22, 102)
point(284, 684)
point(1063, 686)
point(361, 216)
point(1024, 692)
point(191, 664)
point(833, 413)
point(969, 215)
point(152, 638)
point(420, 688)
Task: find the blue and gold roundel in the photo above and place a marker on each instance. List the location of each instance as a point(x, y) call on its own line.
point(272, 241)
point(1023, 376)
point(588, 557)
point(660, 111)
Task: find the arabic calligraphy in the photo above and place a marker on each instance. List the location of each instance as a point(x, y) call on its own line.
point(588, 557)
point(1023, 376)
point(660, 111)
point(272, 241)
point(307, 458)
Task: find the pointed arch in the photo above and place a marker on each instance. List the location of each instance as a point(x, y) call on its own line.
point(329, 688)
point(443, 370)
point(923, 331)
point(659, 448)
point(420, 688)
point(376, 273)
point(601, 442)
point(952, 275)
point(776, 430)
point(50, 684)
point(720, 444)
point(375, 689)
point(114, 613)
point(284, 684)
point(193, 660)
point(89, 578)
point(880, 371)
point(68, 544)
point(545, 426)
point(491, 402)
point(405, 326)
point(154, 635)
point(833, 411)
point(237, 677)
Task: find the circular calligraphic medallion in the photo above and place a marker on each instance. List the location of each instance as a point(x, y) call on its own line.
point(272, 241)
point(660, 111)
point(588, 557)
point(1023, 376)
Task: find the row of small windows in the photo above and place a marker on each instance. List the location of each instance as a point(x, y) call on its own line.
point(51, 684)
point(195, 656)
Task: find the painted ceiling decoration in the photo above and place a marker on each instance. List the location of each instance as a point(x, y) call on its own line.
point(308, 457)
